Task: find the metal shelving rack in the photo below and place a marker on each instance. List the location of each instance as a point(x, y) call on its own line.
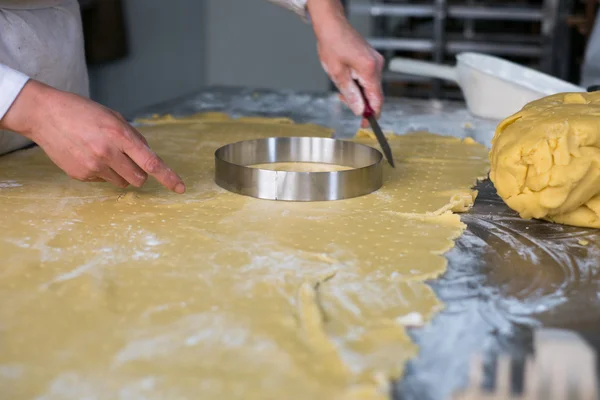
point(541, 41)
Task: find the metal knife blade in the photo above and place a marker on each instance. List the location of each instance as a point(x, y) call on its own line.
point(369, 115)
point(385, 146)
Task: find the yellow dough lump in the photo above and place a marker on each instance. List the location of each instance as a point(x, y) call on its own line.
point(545, 159)
point(144, 294)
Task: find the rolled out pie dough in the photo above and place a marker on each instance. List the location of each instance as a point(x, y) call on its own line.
point(545, 159)
point(144, 294)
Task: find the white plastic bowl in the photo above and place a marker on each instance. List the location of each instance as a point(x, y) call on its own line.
point(494, 88)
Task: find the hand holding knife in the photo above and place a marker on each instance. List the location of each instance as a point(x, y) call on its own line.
point(369, 115)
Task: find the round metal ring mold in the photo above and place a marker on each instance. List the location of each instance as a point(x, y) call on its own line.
point(233, 169)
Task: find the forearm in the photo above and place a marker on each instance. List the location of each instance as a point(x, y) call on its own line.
point(316, 10)
point(326, 16)
point(11, 84)
point(326, 9)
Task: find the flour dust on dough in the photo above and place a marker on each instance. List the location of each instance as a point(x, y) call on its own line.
point(141, 293)
point(545, 159)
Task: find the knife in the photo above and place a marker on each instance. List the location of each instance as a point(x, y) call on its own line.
point(369, 115)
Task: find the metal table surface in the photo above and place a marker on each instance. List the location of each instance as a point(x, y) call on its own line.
point(506, 276)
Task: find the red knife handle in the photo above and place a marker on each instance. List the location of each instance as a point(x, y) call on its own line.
point(368, 111)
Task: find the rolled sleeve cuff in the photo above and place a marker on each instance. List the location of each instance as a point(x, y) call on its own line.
point(11, 83)
point(297, 6)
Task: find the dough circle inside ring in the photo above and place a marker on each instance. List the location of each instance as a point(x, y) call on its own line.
point(238, 169)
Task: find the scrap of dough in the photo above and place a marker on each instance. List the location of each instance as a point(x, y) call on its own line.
point(170, 119)
point(364, 133)
point(141, 293)
point(207, 116)
point(545, 159)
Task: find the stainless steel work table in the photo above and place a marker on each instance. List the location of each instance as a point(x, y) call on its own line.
point(505, 277)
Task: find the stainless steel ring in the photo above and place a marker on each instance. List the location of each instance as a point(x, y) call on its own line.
point(233, 171)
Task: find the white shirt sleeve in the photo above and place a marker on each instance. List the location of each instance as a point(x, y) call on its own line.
point(297, 6)
point(11, 83)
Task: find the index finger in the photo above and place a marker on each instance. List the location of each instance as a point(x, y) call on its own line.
point(152, 164)
point(374, 93)
point(370, 79)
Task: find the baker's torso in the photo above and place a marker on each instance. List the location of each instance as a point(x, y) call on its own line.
point(44, 40)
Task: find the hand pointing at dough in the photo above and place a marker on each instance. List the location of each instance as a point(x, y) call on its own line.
point(86, 140)
point(346, 56)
